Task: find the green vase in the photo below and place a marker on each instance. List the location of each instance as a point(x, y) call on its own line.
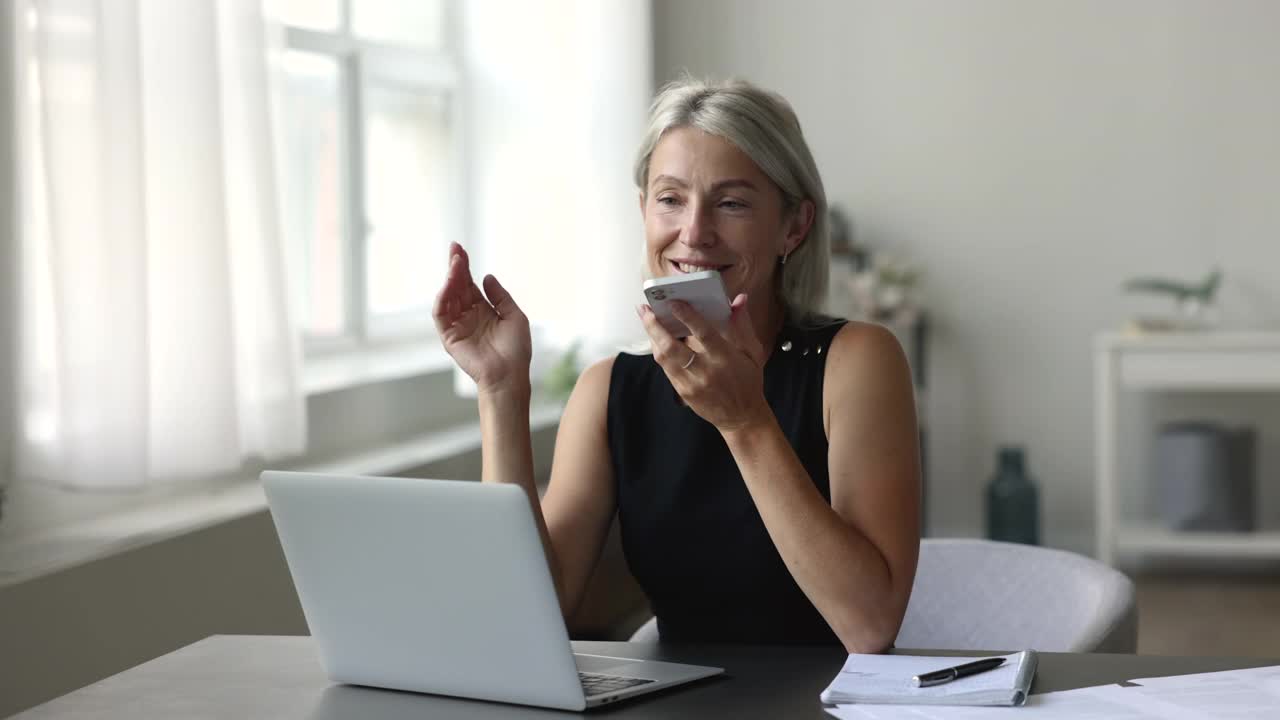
point(1013, 504)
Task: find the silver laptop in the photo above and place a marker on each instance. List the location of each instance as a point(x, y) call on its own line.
point(440, 586)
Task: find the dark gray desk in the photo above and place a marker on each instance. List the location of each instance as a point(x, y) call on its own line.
point(244, 677)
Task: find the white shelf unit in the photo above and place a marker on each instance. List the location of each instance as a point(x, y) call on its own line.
point(1209, 361)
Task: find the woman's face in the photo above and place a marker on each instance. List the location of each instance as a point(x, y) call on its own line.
point(708, 207)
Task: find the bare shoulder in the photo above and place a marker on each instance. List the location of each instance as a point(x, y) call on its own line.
point(864, 347)
point(595, 379)
point(866, 366)
point(581, 459)
point(591, 392)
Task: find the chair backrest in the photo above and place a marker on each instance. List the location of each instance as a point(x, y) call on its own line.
point(987, 595)
point(647, 632)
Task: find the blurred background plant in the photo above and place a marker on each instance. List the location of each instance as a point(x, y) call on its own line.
point(868, 283)
point(887, 291)
point(1194, 303)
point(563, 375)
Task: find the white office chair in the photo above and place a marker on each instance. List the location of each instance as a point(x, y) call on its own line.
point(986, 595)
point(982, 594)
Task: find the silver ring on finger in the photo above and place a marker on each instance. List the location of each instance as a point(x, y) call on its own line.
point(692, 357)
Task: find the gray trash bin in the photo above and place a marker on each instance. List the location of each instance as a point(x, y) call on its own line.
point(1205, 475)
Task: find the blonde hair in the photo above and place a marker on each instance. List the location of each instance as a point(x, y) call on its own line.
point(762, 125)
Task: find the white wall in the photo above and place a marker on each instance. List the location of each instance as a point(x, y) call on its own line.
point(72, 628)
point(1031, 155)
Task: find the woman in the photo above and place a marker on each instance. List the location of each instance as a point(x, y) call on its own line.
point(766, 478)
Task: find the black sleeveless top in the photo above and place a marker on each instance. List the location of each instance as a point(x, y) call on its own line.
point(691, 533)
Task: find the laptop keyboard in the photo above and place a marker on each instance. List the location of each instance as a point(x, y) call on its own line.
point(596, 684)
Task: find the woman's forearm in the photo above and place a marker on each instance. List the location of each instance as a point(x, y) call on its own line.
point(843, 574)
point(506, 449)
point(506, 456)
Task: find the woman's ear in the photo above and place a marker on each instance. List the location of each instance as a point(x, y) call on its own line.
point(798, 226)
point(641, 195)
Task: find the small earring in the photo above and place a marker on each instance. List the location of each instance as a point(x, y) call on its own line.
point(784, 257)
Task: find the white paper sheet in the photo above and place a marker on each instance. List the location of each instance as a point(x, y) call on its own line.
point(1252, 694)
point(1249, 694)
point(1267, 676)
point(1098, 703)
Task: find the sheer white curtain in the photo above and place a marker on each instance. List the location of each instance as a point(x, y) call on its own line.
point(156, 342)
point(8, 250)
point(557, 96)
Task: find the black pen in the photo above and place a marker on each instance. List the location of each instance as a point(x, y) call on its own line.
point(946, 675)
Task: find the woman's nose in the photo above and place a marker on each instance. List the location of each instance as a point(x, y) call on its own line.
point(699, 231)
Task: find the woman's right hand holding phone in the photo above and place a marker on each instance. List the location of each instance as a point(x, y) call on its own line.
point(486, 334)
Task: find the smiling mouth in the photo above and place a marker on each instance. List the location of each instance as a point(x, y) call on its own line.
point(686, 268)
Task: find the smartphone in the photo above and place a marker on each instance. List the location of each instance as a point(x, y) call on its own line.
point(703, 290)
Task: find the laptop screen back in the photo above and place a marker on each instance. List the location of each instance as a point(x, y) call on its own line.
point(427, 585)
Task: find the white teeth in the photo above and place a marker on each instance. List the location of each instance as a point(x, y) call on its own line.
point(687, 268)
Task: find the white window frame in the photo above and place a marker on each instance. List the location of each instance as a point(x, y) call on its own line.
point(403, 67)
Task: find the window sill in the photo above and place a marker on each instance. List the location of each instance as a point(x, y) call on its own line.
point(167, 513)
point(340, 370)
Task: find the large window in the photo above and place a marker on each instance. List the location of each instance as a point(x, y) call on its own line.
point(370, 164)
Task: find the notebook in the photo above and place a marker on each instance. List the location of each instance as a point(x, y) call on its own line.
point(887, 679)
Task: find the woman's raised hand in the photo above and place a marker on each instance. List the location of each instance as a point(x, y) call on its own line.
point(486, 334)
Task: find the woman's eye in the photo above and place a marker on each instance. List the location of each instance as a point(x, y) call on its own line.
point(668, 200)
point(732, 205)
